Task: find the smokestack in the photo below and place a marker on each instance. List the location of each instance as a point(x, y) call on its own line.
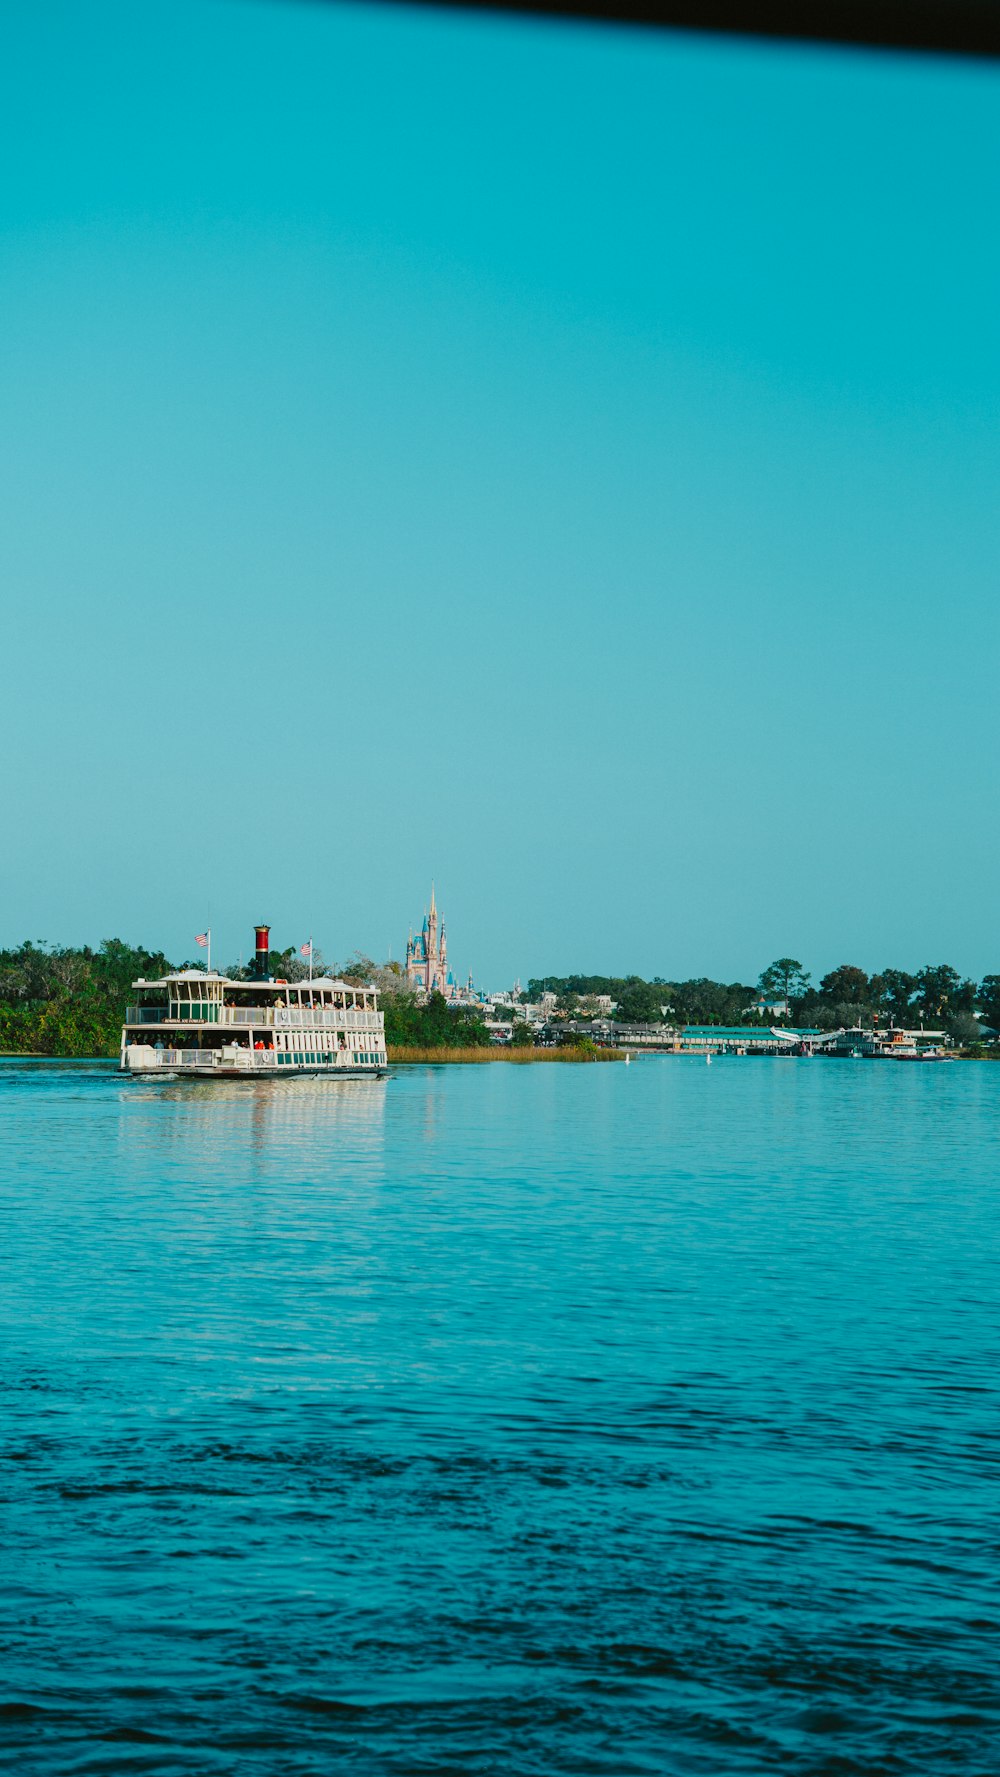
point(262, 939)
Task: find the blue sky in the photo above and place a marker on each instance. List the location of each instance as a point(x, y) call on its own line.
point(559, 461)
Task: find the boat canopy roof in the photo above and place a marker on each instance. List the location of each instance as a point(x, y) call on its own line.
point(319, 983)
point(187, 975)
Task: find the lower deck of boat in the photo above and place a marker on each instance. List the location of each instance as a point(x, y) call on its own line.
point(166, 1071)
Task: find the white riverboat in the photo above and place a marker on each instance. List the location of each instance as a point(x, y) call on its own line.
point(206, 1026)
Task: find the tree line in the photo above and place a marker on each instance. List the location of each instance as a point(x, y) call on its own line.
point(638, 1001)
point(935, 996)
point(61, 1000)
point(57, 1000)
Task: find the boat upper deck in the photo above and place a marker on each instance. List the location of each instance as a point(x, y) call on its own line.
point(193, 997)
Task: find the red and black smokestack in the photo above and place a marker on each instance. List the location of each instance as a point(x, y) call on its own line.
point(262, 939)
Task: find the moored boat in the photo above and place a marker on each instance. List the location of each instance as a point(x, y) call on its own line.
point(204, 1025)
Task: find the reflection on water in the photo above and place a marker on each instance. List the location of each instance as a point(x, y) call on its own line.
point(301, 1109)
point(529, 1420)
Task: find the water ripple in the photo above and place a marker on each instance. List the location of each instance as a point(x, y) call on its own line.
point(501, 1420)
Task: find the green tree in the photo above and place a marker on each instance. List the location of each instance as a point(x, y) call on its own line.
point(893, 992)
point(639, 1003)
point(521, 1037)
point(845, 985)
point(783, 980)
point(432, 1025)
point(989, 1001)
point(940, 990)
point(703, 1001)
point(359, 969)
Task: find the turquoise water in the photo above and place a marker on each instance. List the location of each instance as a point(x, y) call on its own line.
point(502, 1419)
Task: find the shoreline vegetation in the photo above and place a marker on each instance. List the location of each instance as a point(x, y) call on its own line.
point(785, 998)
point(401, 1055)
point(56, 1000)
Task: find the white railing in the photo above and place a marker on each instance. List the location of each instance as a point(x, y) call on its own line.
point(208, 1060)
point(267, 1017)
point(203, 1058)
point(243, 1060)
point(292, 1018)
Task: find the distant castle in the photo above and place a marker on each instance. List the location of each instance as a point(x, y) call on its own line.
point(427, 957)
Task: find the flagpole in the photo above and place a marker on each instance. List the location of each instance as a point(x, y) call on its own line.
point(208, 967)
point(310, 959)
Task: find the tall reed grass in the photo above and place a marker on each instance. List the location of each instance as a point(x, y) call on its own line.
point(497, 1052)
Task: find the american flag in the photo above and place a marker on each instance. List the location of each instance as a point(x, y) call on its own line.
point(306, 949)
point(202, 939)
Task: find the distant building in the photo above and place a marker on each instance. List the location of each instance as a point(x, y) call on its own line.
point(427, 957)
